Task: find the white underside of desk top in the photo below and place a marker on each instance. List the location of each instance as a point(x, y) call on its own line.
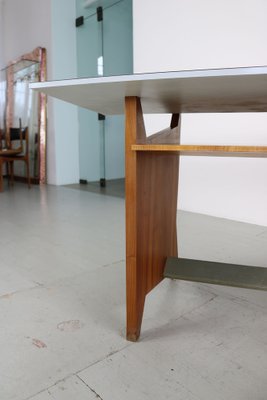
point(217, 90)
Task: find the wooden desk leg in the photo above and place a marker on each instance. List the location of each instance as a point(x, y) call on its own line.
point(151, 207)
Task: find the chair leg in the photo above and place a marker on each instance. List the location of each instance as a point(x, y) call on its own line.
point(28, 173)
point(1, 177)
point(7, 172)
point(11, 172)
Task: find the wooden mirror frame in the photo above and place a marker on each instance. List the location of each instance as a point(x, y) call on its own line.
point(38, 55)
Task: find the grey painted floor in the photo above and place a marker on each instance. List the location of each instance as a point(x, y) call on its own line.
point(62, 307)
point(114, 187)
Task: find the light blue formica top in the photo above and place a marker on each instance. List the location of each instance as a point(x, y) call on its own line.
point(192, 91)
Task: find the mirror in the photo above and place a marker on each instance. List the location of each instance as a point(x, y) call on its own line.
point(3, 91)
point(17, 103)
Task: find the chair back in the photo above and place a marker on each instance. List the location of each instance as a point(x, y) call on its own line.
point(19, 135)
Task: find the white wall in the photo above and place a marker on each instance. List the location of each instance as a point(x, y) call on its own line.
point(192, 34)
point(63, 154)
point(26, 26)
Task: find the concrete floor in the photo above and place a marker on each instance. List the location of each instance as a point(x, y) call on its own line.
point(62, 307)
point(114, 187)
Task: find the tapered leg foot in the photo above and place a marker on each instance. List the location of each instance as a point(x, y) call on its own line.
point(133, 337)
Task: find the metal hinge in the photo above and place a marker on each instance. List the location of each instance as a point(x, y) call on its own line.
point(99, 14)
point(101, 117)
point(79, 21)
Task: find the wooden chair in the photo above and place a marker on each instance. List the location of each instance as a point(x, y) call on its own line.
point(17, 151)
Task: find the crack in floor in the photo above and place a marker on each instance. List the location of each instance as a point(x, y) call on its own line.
point(9, 295)
point(92, 390)
point(75, 374)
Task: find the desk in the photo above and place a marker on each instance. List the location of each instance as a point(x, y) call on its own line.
point(152, 165)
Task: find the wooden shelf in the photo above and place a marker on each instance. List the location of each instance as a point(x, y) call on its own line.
point(215, 150)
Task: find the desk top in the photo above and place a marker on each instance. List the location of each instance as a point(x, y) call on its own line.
point(193, 91)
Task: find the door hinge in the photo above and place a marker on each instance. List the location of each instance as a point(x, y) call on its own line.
point(101, 117)
point(99, 13)
point(102, 182)
point(79, 21)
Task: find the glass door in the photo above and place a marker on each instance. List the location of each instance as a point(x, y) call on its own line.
point(104, 47)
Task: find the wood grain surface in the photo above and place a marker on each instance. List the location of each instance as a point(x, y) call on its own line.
point(207, 150)
point(151, 204)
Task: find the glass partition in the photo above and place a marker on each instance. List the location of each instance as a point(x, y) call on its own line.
point(104, 48)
